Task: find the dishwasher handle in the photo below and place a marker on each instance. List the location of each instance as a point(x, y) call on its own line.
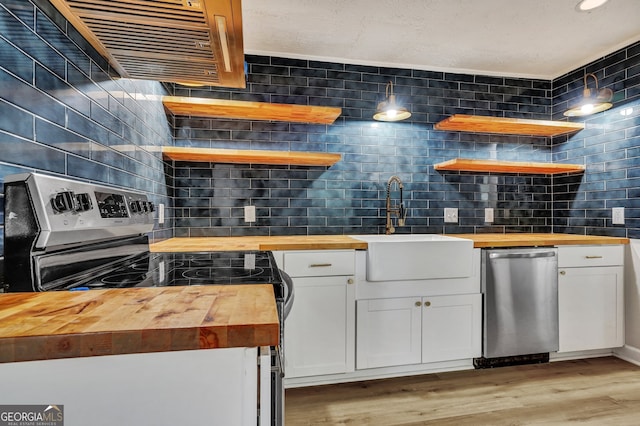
point(523, 254)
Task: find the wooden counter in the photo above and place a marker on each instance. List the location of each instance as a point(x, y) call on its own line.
point(63, 324)
point(328, 242)
point(532, 240)
point(302, 242)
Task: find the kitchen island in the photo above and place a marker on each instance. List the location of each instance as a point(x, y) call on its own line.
point(160, 355)
point(52, 325)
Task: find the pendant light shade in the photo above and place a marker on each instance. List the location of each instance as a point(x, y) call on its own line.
point(593, 101)
point(389, 110)
point(588, 5)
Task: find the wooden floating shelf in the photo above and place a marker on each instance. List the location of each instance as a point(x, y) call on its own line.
point(496, 166)
point(509, 126)
point(220, 108)
point(237, 156)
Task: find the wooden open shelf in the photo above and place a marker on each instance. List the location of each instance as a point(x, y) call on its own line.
point(509, 126)
point(220, 108)
point(250, 156)
point(496, 166)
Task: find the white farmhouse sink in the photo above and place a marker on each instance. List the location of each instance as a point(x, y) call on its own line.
point(417, 256)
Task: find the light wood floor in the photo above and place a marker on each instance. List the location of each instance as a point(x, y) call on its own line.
point(598, 391)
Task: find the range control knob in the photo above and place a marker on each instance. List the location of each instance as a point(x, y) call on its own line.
point(152, 208)
point(84, 202)
point(64, 202)
point(135, 206)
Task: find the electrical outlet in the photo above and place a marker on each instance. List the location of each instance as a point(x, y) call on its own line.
point(160, 213)
point(488, 215)
point(617, 215)
point(451, 215)
point(249, 213)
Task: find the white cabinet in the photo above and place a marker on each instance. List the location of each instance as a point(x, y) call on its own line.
point(319, 331)
point(202, 387)
point(590, 297)
point(451, 327)
point(389, 332)
point(416, 330)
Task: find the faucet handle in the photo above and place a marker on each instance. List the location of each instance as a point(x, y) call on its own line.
point(402, 214)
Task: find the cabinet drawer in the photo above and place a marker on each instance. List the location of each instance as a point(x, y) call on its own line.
point(581, 256)
point(319, 263)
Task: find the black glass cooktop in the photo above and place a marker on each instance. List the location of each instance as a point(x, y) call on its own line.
point(185, 269)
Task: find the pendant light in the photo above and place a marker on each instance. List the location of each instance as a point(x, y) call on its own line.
point(588, 5)
point(592, 102)
point(389, 110)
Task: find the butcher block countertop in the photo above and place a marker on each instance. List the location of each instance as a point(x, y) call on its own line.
point(66, 324)
point(301, 242)
point(531, 240)
point(327, 242)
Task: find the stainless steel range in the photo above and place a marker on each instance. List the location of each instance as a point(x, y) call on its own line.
point(57, 230)
point(62, 234)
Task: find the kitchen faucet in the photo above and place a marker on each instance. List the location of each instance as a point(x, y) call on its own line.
point(400, 212)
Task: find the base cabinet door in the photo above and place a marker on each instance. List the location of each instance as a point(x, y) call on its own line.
point(319, 337)
point(316, 330)
point(388, 332)
point(418, 330)
point(590, 304)
point(451, 327)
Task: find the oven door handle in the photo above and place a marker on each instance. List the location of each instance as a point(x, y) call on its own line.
point(290, 293)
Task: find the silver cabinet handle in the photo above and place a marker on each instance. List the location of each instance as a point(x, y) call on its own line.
point(593, 257)
point(320, 265)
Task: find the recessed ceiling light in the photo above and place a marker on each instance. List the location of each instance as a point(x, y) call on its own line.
point(587, 5)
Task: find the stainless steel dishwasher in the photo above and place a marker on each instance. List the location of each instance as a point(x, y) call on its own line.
point(520, 287)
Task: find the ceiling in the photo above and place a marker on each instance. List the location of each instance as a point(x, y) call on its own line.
point(520, 38)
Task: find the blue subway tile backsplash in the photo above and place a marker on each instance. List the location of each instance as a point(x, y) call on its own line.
point(608, 147)
point(351, 193)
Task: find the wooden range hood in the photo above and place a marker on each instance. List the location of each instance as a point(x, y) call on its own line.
point(184, 41)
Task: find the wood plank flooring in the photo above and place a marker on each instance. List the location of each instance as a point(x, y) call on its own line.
point(597, 391)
